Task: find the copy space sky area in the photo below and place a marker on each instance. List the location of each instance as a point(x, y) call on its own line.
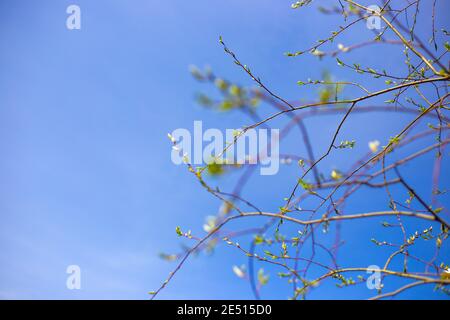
point(86, 176)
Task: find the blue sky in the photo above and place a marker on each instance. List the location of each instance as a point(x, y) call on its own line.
point(85, 172)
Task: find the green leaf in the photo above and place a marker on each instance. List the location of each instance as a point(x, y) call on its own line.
point(258, 239)
point(263, 279)
point(304, 184)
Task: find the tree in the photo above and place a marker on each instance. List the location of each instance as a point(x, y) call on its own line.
point(418, 94)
